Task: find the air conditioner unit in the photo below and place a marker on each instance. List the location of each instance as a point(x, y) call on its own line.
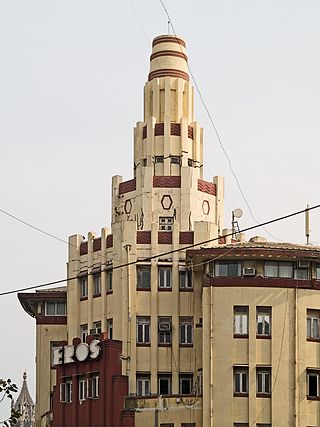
point(248, 271)
point(164, 326)
point(302, 263)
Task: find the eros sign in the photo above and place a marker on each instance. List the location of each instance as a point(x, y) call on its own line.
point(70, 353)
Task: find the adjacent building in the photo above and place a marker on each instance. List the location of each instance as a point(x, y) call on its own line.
point(151, 331)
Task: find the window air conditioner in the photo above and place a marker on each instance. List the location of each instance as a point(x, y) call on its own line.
point(248, 271)
point(164, 326)
point(302, 263)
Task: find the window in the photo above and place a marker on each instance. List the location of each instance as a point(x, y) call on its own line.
point(55, 308)
point(144, 162)
point(109, 281)
point(143, 330)
point(158, 159)
point(301, 273)
point(186, 329)
point(227, 268)
point(263, 425)
point(185, 383)
point(278, 269)
point(84, 332)
point(143, 277)
point(313, 383)
point(240, 380)
point(240, 425)
point(188, 425)
point(190, 162)
point(164, 330)
point(165, 277)
point(82, 388)
point(317, 271)
point(166, 425)
point(95, 386)
point(263, 381)
point(165, 223)
point(53, 345)
point(313, 324)
point(110, 329)
point(96, 329)
point(175, 160)
point(263, 321)
point(185, 279)
point(83, 287)
point(143, 384)
point(66, 391)
point(240, 320)
point(164, 384)
point(96, 284)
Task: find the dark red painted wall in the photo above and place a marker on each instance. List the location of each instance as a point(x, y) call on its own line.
point(105, 411)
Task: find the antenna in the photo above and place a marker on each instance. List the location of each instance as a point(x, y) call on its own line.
point(307, 224)
point(236, 213)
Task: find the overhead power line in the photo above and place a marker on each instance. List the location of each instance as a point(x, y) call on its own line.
point(163, 254)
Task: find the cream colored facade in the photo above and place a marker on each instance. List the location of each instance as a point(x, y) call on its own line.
point(132, 278)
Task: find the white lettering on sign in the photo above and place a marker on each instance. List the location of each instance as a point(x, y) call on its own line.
point(80, 353)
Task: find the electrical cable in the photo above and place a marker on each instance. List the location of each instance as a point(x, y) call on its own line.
point(216, 130)
point(253, 227)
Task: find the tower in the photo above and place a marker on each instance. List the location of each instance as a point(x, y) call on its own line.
point(25, 406)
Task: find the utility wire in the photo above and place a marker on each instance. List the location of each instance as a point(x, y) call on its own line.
point(163, 254)
point(216, 130)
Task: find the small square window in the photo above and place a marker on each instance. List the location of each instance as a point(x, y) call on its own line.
point(185, 383)
point(83, 287)
point(186, 331)
point(313, 383)
point(240, 380)
point(165, 223)
point(84, 332)
point(109, 280)
point(164, 384)
point(96, 284)
point(264, 381)
point(96, 329)
point(110, 329)
point(143, 277)
point(143, 385)
point(93, 386)
point(164, 330)
point(190, 162)
point(313, 324)
point(240, 320)
point(66, 390)
point(185, 279)
point(175, 160)
point(143, 330)
point(165, 278)
point(263, 321)
point(82, 388)
point(144, 162)
point(158, 159)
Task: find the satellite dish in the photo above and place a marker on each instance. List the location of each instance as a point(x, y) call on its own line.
point(237, 213)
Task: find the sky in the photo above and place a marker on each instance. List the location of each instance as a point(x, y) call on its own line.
point(71, 90)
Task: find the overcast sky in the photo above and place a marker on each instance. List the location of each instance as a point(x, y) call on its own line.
point(71, 90)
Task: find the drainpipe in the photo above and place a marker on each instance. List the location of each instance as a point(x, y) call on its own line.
point(211, 356)
point(296, 364)
point(128, 248)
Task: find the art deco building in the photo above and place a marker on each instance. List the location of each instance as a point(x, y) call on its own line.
point(146, 334)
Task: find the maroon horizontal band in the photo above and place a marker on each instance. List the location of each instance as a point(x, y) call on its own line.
point(168, 53)
point(167, 72)
point(166, 39)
